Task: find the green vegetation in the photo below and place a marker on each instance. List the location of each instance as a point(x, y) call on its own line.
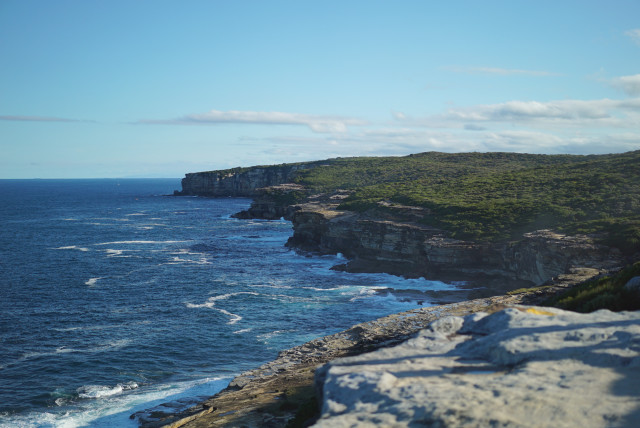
point(602, 293)
point(496, 196)
point(285, 197)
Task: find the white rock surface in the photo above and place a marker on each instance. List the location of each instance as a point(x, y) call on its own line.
point(633, 284)
point(520, 367)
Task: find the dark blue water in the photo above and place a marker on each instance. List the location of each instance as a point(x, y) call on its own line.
point(115, 298)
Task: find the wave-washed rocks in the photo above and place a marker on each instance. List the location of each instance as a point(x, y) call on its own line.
point(272, 395)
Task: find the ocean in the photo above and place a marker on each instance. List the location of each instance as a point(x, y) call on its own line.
point(116, 298)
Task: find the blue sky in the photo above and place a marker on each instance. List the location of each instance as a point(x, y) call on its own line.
point(161, 88)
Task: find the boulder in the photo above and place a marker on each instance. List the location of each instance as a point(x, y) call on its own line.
point(633, 284)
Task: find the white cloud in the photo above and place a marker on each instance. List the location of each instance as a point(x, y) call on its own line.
point(321, 124)
point(553, 114)
point(392, 141)
point(500, 71)
point(398, 141)
point(38, 119)
point(634, 34)
point(628, 84)
point(527, 110)
point(564, 126)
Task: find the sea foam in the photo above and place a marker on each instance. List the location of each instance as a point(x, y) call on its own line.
point(211, 304)
point(72, 247)
point(92, 281)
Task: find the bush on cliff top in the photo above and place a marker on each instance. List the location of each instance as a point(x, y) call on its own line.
point(607, 292)
point(497, 196)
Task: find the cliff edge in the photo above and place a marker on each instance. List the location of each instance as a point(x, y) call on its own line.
point(240, 182)
point(498, 221)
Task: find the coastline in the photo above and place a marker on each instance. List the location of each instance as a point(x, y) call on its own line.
point(274, 393)
point(390, 241)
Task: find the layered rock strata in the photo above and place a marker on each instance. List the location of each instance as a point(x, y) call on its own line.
point(392, 240)
point(520, 367)
point(412, 249)
point(239, 181)
point(271, 203)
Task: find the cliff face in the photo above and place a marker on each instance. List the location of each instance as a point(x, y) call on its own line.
point(397, 244)
point(241, 182)
point(410, 249)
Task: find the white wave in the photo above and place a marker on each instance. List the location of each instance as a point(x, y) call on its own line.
point(92, 281)
point(244, 330)
point(59, 350)
point(116, 344)
point(178, 260)
point(182, 251)
point(291, 299)
point(139, 242)
point(72, 247)
point(134, 214)
point(226, 296)
point(264, 338)
point(100, 391)
point(88, 328)
point(113, 409)
point(234, 318)
point(342, 287)
point(211, 304)
point(61, 401)
point(275, 286)
point(114, 253)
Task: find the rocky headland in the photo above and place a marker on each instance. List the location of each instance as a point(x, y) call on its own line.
point(493, 360)
point(239, 182)
point(393, 240)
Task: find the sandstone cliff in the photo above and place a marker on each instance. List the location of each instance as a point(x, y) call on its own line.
point(239, 181)
point(412, 249)
point(392, 240)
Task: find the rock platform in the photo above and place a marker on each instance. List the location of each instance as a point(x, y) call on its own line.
point(520, 367)
point(273, 394)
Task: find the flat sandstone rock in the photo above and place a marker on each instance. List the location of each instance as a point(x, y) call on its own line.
point(525, 366)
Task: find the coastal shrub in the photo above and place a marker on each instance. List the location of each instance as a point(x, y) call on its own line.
point(607, 292)
point(286, 197)
point(496, 196)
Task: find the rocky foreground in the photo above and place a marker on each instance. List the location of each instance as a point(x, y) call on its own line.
point(468, 368)
point(519, 367)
